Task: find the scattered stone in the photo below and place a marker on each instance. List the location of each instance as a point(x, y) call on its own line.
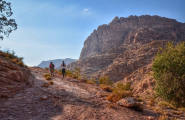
point(45, 84)
point(151, 118)
point(43, 97)
point(127, 102)
point(3, 110)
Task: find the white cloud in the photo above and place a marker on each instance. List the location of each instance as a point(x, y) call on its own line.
point(86, 10)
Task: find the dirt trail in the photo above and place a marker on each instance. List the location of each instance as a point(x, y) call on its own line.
point(67, 99)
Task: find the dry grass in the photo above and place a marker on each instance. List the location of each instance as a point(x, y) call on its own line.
point(51, 82)
point(182, 109)
point(46, 74)
point(164, 104)
point(106, 88)
point(110, 105)
point(114, 97)
point(163, 117)
point(15, 60)
point(48, 78)
point(104, 94)
point(158, 110)
point(57, 72)
point(20, 64)
point(176, 112)
point(90, 82)
point(151, 101)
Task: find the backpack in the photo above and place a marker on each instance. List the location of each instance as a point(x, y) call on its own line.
point(63, 65)
point(52, 66)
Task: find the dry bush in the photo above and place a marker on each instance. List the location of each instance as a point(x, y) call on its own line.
point(138, 107)
point(105, 80)
point(163, 117)
point(15, 60)
point(51, 82)
point(20, 64)
point(48, 78)
point(116, 96)
point(151, 101)
point(46, 74)
point(90, 82)
point(158, 110)
point(106, 88)
point(164, 104)
point(57, 72)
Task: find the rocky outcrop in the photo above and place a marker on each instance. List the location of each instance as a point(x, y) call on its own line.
point(13, 78)
point(124, 49)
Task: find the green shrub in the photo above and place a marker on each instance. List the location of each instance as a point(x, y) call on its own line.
point(105, 80)
point(121, 87)
point(169, 72)
point(77, 72)
point(69, 73)
point(20, 64)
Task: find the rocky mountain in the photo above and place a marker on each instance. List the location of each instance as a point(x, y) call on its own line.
point(124, 49)
point(56, 62)
point(13, 78)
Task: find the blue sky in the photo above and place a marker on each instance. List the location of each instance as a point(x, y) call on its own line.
point(57, 29)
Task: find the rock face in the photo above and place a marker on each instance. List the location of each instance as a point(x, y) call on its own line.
point(56, 62)
point(13, 78)
point(124, 49)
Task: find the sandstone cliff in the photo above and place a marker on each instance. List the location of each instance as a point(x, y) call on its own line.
point(124, 49)
point(13, 78)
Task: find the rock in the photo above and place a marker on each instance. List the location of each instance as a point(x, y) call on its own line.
point(13, 77)
point(127, 102)
point(124, 49)
point(43, 97)
point(151, 118)
point(45, 84)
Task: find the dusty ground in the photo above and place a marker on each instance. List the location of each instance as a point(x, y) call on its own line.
point(67, 99)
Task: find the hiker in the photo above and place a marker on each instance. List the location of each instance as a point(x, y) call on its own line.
point(52, 66)
point(63, 65)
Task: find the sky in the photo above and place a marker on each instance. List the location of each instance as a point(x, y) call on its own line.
point(57, 29)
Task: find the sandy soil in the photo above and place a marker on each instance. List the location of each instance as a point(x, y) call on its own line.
point(67, 99)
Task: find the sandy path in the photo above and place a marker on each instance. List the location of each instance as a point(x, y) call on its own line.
point(67, 99)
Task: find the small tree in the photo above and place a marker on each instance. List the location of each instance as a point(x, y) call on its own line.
point(169, 72)
point(6, 25)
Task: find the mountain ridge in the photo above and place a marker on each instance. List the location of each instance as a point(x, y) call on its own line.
point(56, 62)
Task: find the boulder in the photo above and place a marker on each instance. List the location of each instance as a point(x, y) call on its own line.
point(127, 102)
